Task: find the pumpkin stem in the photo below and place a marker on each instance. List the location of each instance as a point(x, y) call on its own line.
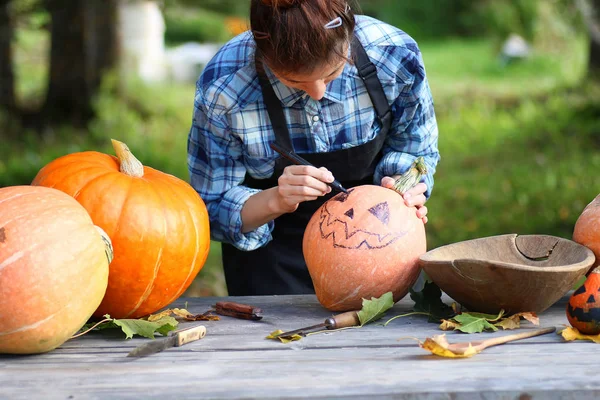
point(129, 165)
point(411, 177)
point(107, 243)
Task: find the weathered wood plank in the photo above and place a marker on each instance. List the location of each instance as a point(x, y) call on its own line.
point(235, 360)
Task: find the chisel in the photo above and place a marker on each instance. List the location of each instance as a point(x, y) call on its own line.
point(344, 320)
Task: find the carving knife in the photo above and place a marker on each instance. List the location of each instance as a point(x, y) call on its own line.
point(178, 339)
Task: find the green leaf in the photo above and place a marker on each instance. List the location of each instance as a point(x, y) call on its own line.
point(374, 309)
point(470, 323)
point(140, 327)
point(429, 300)
point(488, 317)
point(146, 328)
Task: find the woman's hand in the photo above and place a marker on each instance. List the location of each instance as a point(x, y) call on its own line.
point(413, 197)
point(300, 183)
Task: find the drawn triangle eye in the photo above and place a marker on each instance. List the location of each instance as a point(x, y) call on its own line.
point(382, 212)
point(341, 197)
point(350, 213)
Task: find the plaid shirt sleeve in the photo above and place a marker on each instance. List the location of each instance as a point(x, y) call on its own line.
point(414, 130)
point(216, 173)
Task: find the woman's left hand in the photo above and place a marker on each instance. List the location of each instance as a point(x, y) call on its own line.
point(413, 197)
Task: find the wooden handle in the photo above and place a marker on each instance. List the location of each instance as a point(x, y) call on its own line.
point(237, 310)
point(190, 335)
point(343, 320)
point(517, 336)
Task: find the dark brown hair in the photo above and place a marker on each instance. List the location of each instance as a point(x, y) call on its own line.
point(291, 36)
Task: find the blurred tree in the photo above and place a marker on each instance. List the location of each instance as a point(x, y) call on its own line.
point(227, 7)
point(591, 13)
point(7, 80)
point(83, 46)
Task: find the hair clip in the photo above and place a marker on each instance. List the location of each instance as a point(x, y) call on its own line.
point(334, 23)
point(260, 35)
point(347, 8)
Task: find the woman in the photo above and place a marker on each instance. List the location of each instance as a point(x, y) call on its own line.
point(348, 93)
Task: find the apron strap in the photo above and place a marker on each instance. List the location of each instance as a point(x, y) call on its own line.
point(368, 73)
point(275, 111)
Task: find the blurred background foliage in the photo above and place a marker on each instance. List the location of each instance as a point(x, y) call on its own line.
point(520, 141)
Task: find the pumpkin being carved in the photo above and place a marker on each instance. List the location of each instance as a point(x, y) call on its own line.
point(158, 225)
point(362, 245)
point(53, 268)
point(583, 309)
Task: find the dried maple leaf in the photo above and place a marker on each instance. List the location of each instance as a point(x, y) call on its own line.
point(530, 316)
point(283, 339)
point(182, 313)
point(156, 317)
point(512, 322)
point(449, 325)
point(473, 322)
point(438, 345)
point(570, 334)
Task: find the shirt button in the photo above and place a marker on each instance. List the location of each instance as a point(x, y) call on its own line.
point(315, 118)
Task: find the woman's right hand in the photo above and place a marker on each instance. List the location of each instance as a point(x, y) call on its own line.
point(300, 183)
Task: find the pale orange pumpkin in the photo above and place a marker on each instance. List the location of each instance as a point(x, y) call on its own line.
point(362, 245)
point(587, 229)
point(53, 268)
point(157, 222)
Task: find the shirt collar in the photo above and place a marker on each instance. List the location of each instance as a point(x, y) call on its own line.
point(335, 90)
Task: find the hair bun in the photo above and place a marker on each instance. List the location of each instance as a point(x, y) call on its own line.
point(283, 4)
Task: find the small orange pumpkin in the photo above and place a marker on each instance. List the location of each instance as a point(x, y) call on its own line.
point(53, 268)
point(158, 225)
point(362, 245)
point(587, 229)
point(583, 309)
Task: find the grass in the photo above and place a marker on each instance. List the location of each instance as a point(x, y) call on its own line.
point(519, 144)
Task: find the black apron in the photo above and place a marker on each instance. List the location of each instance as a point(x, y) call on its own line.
point(278, 267)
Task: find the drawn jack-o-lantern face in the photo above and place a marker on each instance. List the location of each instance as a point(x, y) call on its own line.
point(361, 245)
point(583, 309)
point(352, 223)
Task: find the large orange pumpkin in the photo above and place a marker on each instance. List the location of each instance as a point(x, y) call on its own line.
point(583, 309)
point(53, 268)
point(362, 245)
point(158, 225)
point(587, 229)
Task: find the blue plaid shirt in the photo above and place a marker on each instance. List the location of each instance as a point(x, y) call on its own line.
point(231, 130)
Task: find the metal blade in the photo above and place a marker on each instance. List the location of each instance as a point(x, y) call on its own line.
point(302, 331)
point(153, 347)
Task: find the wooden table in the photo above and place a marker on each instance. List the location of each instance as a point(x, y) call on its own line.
point(235, 360)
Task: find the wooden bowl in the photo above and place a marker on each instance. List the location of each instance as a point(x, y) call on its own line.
point(510, 272)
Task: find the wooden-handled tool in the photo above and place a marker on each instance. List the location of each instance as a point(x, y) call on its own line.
point(178, 339)
point(478, 346)
point(344, 320)
point(237, 310)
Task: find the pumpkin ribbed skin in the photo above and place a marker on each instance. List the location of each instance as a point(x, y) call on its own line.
point(53, 268)
point(583, 309)
point(362, 245)
point(158, 225)
point(587, 229)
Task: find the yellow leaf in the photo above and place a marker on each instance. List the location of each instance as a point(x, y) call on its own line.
point(449, 325)
point(283, 339)
point(183, 313)
point(438, 345)
point(156, 317)
point(512, 322)
point(571, 333)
